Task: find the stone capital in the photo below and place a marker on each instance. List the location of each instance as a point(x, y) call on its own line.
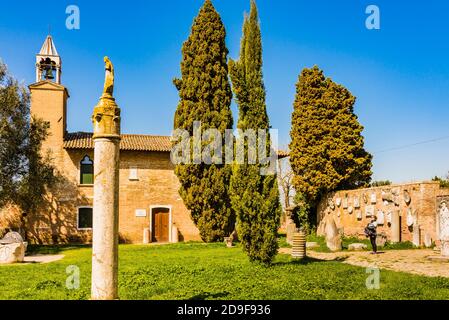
point(106, 119)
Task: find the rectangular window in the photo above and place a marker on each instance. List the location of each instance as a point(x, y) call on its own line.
point(133, 173)
point(85, 218)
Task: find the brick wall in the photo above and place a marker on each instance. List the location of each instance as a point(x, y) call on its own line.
point(423, 207)
point(157, 185)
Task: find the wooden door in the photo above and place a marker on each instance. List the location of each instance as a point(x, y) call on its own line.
point(161, 220)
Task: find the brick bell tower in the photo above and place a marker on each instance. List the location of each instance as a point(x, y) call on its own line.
point(49, 98)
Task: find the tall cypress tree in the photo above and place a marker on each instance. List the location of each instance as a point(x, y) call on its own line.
point(205, 95)
point(327, 146)
point(255, 197)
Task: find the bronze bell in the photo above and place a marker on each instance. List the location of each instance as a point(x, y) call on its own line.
point(49, 73)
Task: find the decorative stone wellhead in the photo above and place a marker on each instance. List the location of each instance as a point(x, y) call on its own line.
point(106, 123)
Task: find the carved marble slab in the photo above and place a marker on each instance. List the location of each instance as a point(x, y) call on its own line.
point(380, 217)
point(356, 202)
point(373, 198)
point(410, 218)
point(369, 211)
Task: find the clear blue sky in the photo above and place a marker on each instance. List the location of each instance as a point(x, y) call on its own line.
point(400, 74)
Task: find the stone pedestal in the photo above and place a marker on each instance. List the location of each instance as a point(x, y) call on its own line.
point(299, 245)
point(395, 227)
point(106, 123)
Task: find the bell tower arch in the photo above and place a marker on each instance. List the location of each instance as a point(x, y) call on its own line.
point(48, 62)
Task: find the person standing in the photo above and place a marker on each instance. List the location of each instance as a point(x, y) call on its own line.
point(371, 233)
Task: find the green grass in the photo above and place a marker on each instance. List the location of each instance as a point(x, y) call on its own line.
point(346, 241)
point(200, 271)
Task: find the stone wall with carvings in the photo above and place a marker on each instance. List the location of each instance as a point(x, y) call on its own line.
point(416, 204)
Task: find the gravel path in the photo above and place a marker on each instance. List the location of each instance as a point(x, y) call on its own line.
point(410, 261)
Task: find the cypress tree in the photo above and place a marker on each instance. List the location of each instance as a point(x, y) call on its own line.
point(327, 146)
point(255, 197)
point(205, 95)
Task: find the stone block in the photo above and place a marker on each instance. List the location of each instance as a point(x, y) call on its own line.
point(357, 247)
point(12, 253)
point(312, 245)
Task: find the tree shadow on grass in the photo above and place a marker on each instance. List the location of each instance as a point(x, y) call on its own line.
point(52, 249)
point(209, 295)
point(308, 260)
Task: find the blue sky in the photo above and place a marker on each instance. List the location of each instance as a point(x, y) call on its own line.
point(399, 74)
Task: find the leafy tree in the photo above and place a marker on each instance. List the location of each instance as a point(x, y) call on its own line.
point(444, 182)
point(381, 183)
point(327, 146)
point(205, 95)
point(255, 197)
point(25, 172)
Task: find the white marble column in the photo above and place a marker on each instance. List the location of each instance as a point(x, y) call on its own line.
point(106, 123)
point(105, 220)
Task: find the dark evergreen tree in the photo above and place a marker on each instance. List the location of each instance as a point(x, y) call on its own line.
point(255, 197)
point(205, 95)
point(25, 171)
point(327, 146)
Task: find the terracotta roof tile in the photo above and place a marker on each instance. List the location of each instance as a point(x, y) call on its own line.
point(129, 142)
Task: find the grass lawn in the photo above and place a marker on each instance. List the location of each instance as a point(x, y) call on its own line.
point(346, 241)
point(200, 271)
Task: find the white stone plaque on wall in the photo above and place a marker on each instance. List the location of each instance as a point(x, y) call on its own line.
point(345, 202)
point(380, 218)
point(410, 218)
point(141, 213)
point(356, 202)
point(338, 202)
point(369, 211)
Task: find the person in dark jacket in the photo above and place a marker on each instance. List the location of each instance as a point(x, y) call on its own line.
point(371, 233)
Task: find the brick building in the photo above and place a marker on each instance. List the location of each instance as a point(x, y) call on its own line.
point(149, 196)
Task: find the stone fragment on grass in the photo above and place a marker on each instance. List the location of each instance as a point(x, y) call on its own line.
point(357, 247)
point(312, 245)
point(333, 238)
